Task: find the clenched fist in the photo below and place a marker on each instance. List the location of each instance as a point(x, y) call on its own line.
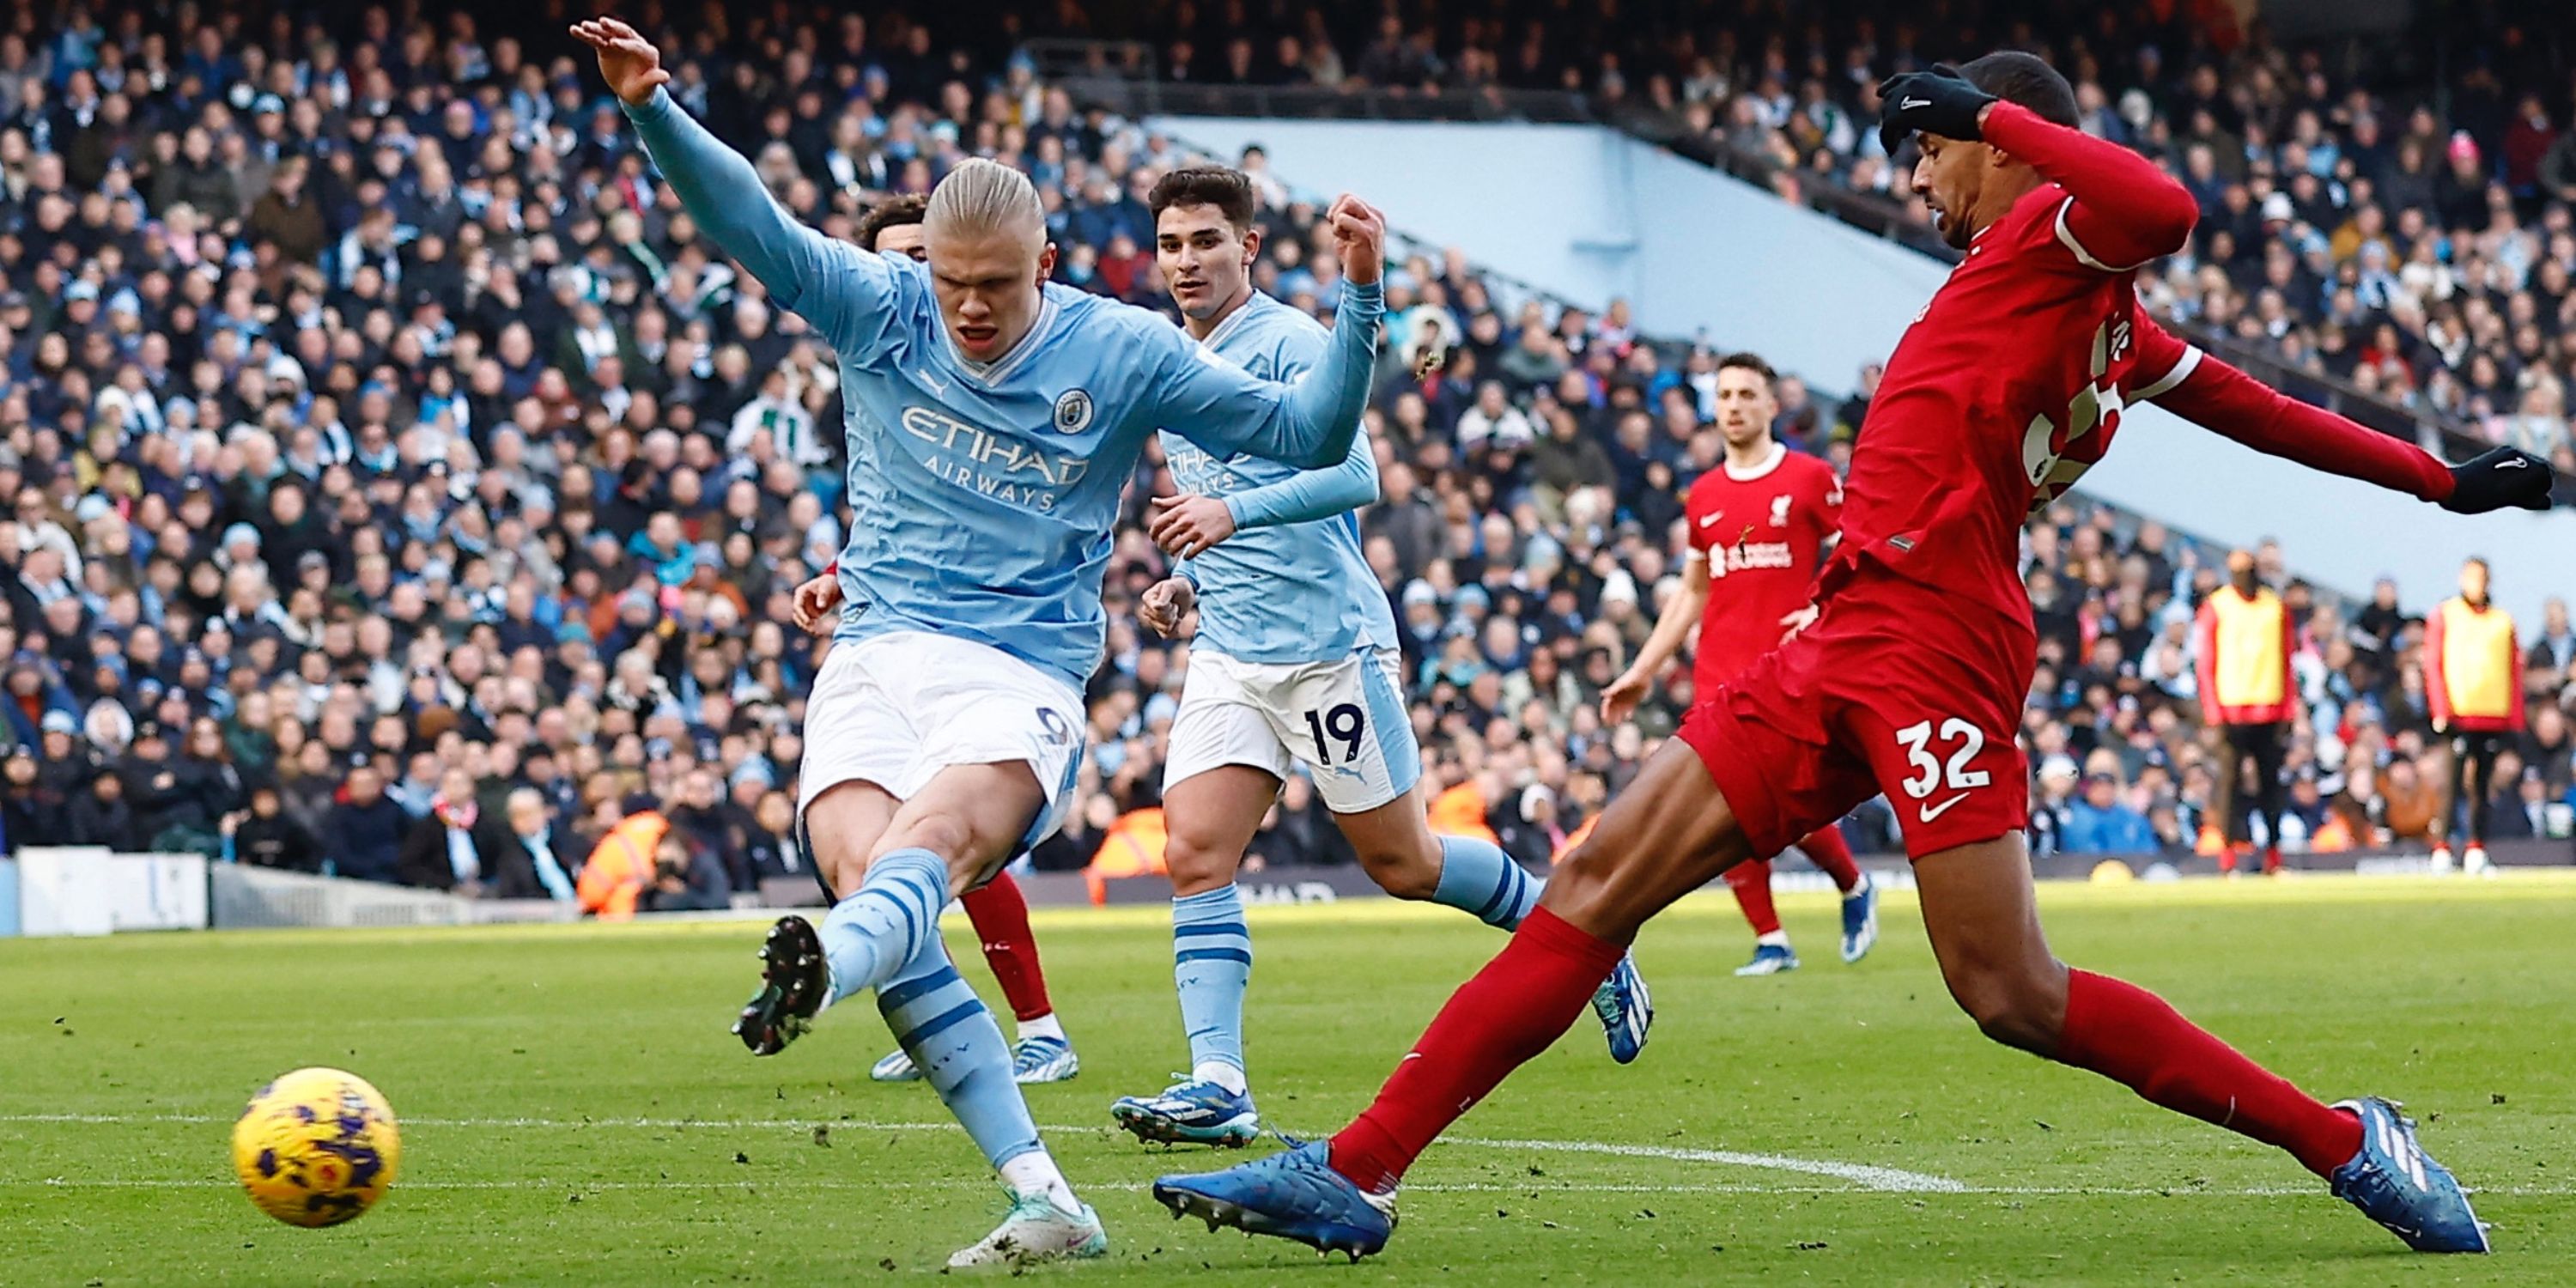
point(1170, 608)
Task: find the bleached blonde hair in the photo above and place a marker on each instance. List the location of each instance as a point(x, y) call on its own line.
point(981, 198)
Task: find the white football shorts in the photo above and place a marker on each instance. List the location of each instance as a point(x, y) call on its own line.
point(896, 709)
point(1346, 719)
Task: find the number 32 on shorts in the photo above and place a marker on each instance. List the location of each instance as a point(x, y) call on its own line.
point(1961, 741)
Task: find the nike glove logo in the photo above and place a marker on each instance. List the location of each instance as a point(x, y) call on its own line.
point(1913, 103)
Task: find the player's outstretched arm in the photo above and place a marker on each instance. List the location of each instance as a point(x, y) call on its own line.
point(2217, 397)
point(1311, 421)
point(837, 287)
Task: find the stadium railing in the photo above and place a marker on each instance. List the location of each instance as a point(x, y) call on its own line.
point(247, 897)
point(1121, 76)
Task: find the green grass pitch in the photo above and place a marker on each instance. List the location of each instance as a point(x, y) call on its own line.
point(575, 1112)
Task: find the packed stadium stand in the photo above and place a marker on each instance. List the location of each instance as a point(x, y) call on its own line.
point(389, 460)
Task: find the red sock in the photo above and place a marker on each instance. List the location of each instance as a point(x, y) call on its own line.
point(2130, 1035)
point(1522, 1001)
point(1001, 917)
point(1826, 848)
point(1751, 882)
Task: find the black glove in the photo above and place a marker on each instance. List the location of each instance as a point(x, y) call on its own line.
point(2505, 477)
point(1940, 101)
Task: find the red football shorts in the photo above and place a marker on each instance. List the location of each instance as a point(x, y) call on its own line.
point(1894, 688)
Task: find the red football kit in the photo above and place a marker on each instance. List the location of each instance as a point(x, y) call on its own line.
point(1760, 532)
point(2005, 389)
point(2008, 385)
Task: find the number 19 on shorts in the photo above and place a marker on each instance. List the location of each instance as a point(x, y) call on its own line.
point(1345, 723)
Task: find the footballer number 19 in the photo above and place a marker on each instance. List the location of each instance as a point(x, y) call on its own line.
point(1345, 723)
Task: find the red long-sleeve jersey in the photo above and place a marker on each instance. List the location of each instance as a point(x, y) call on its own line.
point(2012, 381)
point(1761, 532)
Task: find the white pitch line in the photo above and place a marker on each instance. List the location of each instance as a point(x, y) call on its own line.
point(1864, 1175)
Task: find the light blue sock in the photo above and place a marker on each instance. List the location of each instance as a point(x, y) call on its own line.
point(1212, 963)
point(1477, 877)
point(944, 1027)
point(884, 923)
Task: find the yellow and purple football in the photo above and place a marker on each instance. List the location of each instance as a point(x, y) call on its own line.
point(316, 1147)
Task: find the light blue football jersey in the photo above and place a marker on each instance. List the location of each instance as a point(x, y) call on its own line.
point(1291, 584)
point(982, 494)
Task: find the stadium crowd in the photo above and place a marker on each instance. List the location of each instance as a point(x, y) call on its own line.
point(399, 487)
point(2412, 236)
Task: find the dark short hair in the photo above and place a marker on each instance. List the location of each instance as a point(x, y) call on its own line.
point(2016, 77)
point(1223, 187)
point(893, 212)
point(1751, 361)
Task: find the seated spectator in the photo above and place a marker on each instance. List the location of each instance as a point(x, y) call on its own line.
point(2099, 822)
point(2356, 811)
point(2412, 800)
point(24, 809)
point(1527, 827)
point(102, 816)
point(364, 836)
point(65, 763)
point(186, 801)
point(776, 849)
point(2051, 808)
point(686, 879)
point(444, 850)
point(2305, 815)
point(714, 827)
point(2520, 812)
point(521, 849)
point(264, 835)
